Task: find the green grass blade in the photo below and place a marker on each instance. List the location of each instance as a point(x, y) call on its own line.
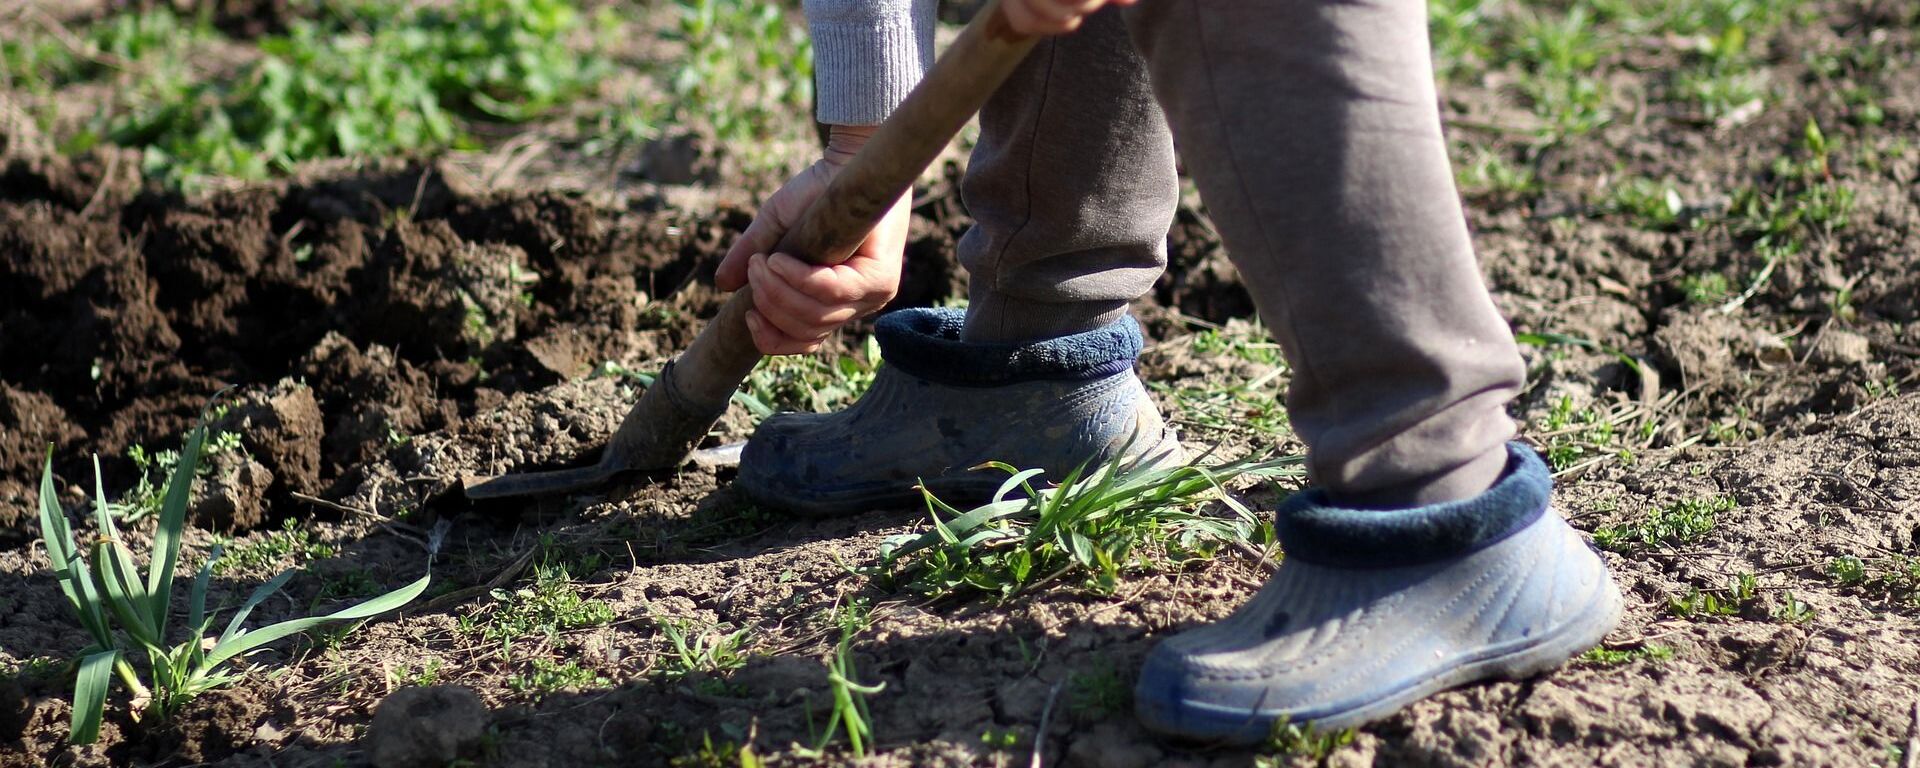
point(260, 594)
point(1018, 480)
point(197, 596)
point(108, 556)
point(68, 567)
point(235, 646)
point(173, 520)
point(90, 696)
point(130, 585)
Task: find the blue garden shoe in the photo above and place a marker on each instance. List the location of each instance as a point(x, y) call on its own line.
point(941, 406)
point(1375, 609)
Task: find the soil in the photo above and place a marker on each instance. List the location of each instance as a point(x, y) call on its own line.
point(378, 332)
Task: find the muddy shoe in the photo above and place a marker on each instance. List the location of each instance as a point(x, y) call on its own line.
point(941, 406)
point(1375, 609)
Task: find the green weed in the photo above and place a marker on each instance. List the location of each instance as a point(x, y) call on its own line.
point(1707, 289)
point(1895, 577)
point(1682, 522)
point(747, 69)
point(1490, 175)
point(1559, 54)
point(1458, 30)
point(291, 542)
point(1098, 693)
point(322, 91)
point(1791, 610)
point(1651, 204)
point(701, 649)
point(1094, 523)
point(1697, 603)
point(1290, 741)
point(1849, 571)
point(127, 614)
point(547, 608)
point(548, 677)
point(427, 674)
point(1609, 657)
point(808, 383)
point(849, 715)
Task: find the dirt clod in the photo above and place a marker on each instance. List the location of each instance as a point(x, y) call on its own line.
point(426, 727)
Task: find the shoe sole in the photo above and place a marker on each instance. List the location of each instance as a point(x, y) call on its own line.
point(1511, 661)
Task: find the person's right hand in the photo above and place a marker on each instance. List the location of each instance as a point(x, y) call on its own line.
point(797, 305)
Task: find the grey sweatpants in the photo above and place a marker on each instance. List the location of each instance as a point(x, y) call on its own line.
point(1312, 130)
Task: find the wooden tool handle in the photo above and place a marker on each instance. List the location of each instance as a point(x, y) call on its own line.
point(675, 414)
point(887, 165)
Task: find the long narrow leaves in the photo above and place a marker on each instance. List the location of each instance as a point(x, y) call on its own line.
point(90, 695)
point(1094, 523)
point(107, 592)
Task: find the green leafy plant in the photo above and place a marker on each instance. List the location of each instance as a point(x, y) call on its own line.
point(1682, 522)
point(329, 91)
point(1092, 523)
point(1702, 603)
point(697, 649)
point(550, 606)
point(1292, 740)
point(850, 713)
point(549, 676)
point(1612, 657)
point(127, 615)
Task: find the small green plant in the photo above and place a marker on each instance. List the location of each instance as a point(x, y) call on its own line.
point(1682, 522)
point(128, 615)
point(1092, 523)
point(1610, 657)
point(1850, 571)
point(808, 383)
point(426, 674)
point(550, 606)
point(1791, 610)
point(329, 91)
point(850, 715)
point(1651, 204)
point(1100, 692)
point(1709, 289)
point(748, 67)
point(1000, 740)
point(291, 542)
point(547, 677)
point(1896, 576)
point(1290, 741)
point(1698, 603)
point(701, 649)
point(1490, 175)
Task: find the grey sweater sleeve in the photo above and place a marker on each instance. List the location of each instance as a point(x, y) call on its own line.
point(867, 54)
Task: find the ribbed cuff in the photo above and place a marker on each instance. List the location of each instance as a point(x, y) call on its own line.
point(925, 342)
point(865, 63)
point(1312, 529)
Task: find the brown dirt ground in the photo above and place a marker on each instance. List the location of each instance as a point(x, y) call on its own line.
point(389, 329)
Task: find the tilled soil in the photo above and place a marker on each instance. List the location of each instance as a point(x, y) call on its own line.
point(386, 332)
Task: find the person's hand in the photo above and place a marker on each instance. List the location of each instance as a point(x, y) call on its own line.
point(796, 305)
point(1051, 17)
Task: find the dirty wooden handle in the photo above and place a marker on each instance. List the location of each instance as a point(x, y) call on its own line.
point(887, 165)
point(675, 414)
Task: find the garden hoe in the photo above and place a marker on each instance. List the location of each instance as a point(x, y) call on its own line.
point(692, 392)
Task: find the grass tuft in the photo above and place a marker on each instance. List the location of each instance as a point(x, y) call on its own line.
point(128, 614)
point(1094, 524)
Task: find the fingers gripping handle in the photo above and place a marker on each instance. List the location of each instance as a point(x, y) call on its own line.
point(909, 141)
point(691, 394)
